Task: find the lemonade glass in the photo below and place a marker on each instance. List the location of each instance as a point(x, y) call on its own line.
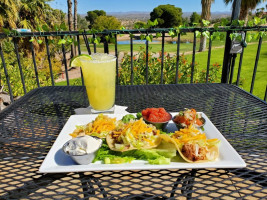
point(99, 75)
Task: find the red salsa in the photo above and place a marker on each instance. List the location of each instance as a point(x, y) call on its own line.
point(156, 115)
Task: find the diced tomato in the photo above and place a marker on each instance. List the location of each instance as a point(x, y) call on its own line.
point(179, 119)
point(193, 111)
point(199, 122)
point(188, 117)
point(156, 114)
point(145, 112)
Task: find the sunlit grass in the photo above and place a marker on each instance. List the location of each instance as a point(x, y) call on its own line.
point(216, 57)
point(247, 66)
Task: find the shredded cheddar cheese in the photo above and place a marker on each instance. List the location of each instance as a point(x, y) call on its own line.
point(190, 134)
point(101, 124)
point(137, 127)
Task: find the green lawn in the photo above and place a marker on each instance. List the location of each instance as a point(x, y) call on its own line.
point(184, 47)
point(217, 56)
point(64, 83)
point(168, 47)
point(247, 66)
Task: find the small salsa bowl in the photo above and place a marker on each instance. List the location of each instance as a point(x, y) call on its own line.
point(159, 125)
point(83, 159)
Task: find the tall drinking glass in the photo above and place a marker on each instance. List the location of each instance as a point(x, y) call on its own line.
point(99, 75)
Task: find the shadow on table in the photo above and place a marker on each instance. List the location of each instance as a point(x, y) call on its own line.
point(186, 180)
point(62, 159)
point(247, 174)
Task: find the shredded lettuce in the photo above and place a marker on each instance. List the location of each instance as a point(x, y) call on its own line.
point(160, 161)
point(117, 160)
point(102, 134)
point(167, 153)
point(79, 126)
point(153, 156)
point(111, 157)
point(103, 152)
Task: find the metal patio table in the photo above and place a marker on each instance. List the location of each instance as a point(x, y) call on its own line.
point(29, 127)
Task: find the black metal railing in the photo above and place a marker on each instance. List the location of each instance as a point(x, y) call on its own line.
point(106, 45)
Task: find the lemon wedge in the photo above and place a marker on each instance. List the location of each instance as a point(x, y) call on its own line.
point(76, 61)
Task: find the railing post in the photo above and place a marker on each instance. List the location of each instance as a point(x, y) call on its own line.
point(227, 55)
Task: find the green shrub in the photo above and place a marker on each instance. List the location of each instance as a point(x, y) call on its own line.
point(169, 70)
point(27, 69)
point(214, 74)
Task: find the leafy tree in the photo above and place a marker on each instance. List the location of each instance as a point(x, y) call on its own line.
point(93, 15)
point(106, 22)
point(195, 18)
point(58, 17)
point(139, 24)
point(27, 68)
point(205, 15)
point(29, 14)
point(167, 15)
point(81, 22)
point(34, 13)
point(186, 21)
point(8, 13)
point(246, 5)
point(219, 20)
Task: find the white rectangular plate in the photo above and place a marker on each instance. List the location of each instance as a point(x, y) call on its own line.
point(56, 161)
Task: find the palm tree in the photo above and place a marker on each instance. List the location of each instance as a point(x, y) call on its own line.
point(205, 14)
point(70, 21)
point(75, 15)
point(32, 13)
point(75, 23)
point(246, 5)
point(9, 13)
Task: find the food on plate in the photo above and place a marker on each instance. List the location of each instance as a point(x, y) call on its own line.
point(156, 115)
point(193, 146)
point(100, 127)
point(159, 117)
point(188, 117)
point(134, 135)
point(127, 118)
point(132, 138)
point(82, 145)
point(158, 156)
point(82, 149)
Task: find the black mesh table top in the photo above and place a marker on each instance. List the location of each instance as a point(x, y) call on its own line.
point(29, 127)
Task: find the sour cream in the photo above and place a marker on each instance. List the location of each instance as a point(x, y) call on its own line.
point(82, 145)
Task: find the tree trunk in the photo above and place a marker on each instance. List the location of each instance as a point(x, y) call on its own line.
point(202, 45)
point(75, 24)
point(75, 15)
point(244, 15)
point(205, 14)
point(70, 14)
point(69, 2)
point(206, 4)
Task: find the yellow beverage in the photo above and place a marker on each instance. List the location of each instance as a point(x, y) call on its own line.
point(99, 78)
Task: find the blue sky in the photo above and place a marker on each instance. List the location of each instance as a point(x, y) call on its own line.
point(139, 5)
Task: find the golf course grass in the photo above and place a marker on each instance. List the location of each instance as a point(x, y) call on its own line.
point(217, 54)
